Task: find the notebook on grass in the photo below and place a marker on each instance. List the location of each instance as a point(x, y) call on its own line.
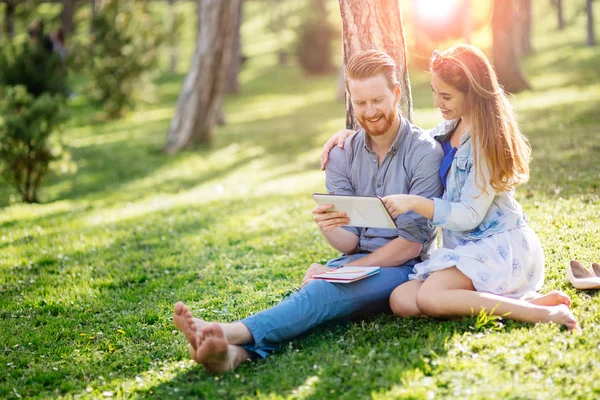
point(348, 274)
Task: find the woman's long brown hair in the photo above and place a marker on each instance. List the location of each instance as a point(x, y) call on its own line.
point(494, 129)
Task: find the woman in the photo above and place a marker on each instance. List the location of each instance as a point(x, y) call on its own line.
point(491, 259)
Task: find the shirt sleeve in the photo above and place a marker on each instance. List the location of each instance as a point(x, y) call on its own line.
point(469, 212)
point(337, 176)
point(425, 182)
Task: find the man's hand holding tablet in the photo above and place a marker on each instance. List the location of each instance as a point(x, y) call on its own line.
point(327, 218)
point(369, 212)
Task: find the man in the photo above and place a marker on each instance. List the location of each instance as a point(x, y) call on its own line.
point(388, 156)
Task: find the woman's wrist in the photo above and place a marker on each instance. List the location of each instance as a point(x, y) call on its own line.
point(412, 202)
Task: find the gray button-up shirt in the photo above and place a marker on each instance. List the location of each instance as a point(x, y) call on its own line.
point(411, 166)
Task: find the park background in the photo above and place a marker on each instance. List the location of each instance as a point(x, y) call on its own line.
point(121, 230)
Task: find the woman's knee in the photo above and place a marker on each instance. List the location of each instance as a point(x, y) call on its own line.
point(428, 302)
point(403, 303)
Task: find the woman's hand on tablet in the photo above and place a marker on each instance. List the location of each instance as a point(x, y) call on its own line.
point(397, 204)
point(338, 140)
point(327, 219)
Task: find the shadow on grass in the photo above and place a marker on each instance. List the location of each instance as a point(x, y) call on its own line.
point(112, 167)
point(332, 361)
point(111, 286)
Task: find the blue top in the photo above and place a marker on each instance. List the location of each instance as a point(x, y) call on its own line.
point(411, 166)
point(449, 153)
point(465, 212)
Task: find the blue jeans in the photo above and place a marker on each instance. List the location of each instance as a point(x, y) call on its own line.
point(321, 301)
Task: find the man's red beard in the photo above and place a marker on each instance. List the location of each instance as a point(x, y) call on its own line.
point(388, 120)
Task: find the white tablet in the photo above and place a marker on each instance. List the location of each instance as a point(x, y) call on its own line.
point(368, 212)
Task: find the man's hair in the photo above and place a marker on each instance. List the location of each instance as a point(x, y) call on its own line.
point(370, 63)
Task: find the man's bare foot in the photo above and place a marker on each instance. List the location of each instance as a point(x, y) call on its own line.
point(213, 350)
point(183, 320)
point(554, 298)
point(562, 315)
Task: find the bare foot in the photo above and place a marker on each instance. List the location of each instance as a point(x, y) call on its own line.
point(553, 298)
point(183, 320)
point(562, 315)
point(213, 350)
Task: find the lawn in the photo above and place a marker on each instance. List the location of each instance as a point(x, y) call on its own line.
point(88, 278)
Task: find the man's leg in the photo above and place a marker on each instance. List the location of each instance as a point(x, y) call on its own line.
point(207, 342)
point(320, 301)
point(315, 303)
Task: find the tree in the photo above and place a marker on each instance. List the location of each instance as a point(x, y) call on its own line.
point(66, 15)
point(376, 25)
point(524, 17)
point(559, 10)
point(203, 86)
point(506, 58)
point(173, 23)
point(591, 36)
point(96, 6)
point(31, 110)
point(125, 46)
point(314, 50)
point(27, 143)
point(233, 69)
point(235, 62)
point(9, 18)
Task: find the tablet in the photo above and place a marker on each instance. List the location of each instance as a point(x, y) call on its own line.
point(368, 212)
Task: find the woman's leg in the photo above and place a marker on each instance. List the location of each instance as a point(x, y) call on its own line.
point(403, 300)
point(449, 293)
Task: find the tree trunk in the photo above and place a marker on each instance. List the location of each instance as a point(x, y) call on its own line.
point(340, 92)
point(559, 9)
point(235, 62)
point(365, 27)
point(9, 18)
point(92, 15)
point(219, 114)
point(203, 86)
point(524, 15)
point(172, 41)
point(591, 36)
point(506, 58)
point(66, 15)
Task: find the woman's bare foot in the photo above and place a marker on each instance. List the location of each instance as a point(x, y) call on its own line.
point(215, 353)
point(562, 315)
point(183, 320)
point(554, 298)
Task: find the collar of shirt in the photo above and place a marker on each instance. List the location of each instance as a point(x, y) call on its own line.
point(449, 126)
point(395, 144)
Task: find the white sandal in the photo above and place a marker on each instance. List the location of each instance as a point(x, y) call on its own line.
point(581, 277)
point(596, 269)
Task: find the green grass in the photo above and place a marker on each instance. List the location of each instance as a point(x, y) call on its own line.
point(88, 278)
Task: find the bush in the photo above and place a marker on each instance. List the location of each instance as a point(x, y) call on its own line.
point(125, 45)
point(26, 145)
point(33, 66)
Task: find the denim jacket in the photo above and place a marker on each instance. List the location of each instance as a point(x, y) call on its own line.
point(464, 212)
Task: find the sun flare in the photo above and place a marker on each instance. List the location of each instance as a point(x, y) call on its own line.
point(435, 9)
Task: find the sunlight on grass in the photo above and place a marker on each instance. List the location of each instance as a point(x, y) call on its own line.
point(544, 100)
point(145, 381)
point(266, 107)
